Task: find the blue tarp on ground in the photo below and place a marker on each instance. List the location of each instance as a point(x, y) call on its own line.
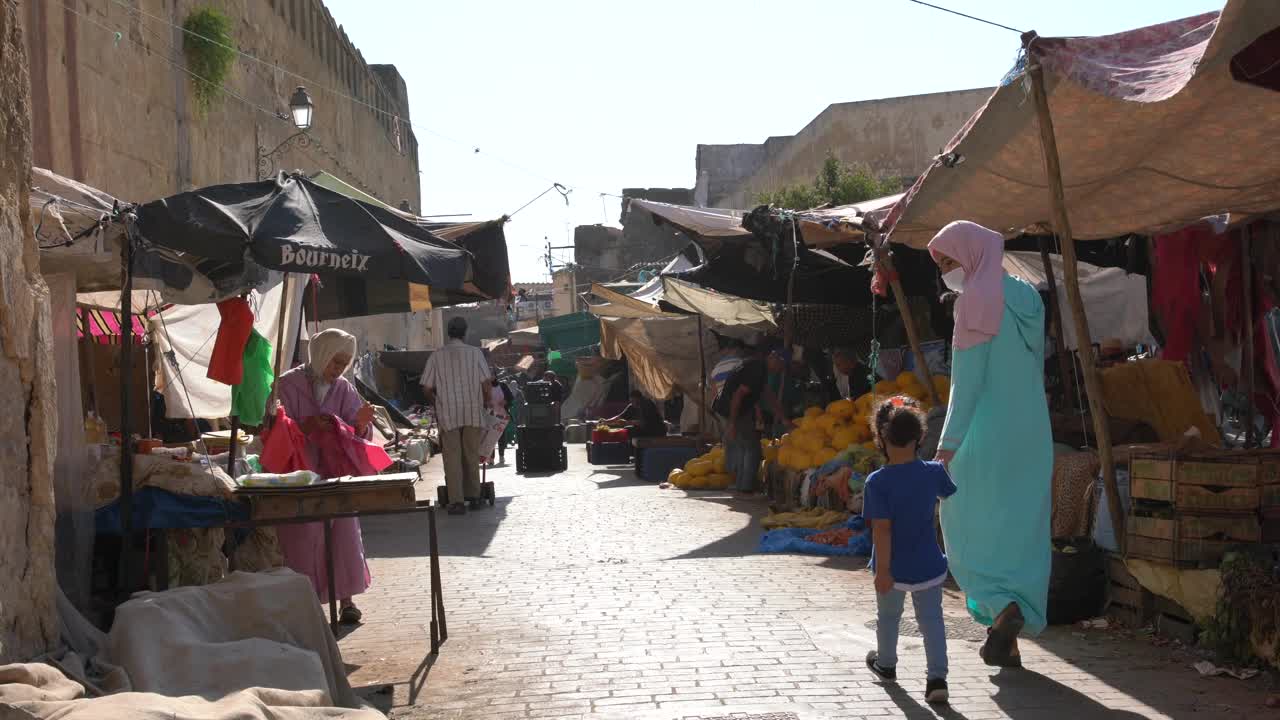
point(793, 540)
point(160, 509)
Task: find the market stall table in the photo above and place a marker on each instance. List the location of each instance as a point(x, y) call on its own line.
point(348, 497)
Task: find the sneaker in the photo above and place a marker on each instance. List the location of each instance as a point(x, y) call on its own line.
point(884, 673)
point(457, 509)
point(935, 692)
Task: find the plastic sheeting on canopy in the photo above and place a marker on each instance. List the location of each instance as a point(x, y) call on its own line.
point(1114, 301)
point(1156, 128)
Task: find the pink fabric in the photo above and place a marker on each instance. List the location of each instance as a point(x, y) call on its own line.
point(284, 447)
point(342, 453)
point(303, 544)
point(980, 251)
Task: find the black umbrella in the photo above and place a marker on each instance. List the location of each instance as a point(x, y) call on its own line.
point(294, 225)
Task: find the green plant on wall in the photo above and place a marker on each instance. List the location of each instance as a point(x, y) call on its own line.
point(210, 52)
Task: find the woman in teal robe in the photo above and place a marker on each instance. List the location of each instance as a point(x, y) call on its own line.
point(996, 442)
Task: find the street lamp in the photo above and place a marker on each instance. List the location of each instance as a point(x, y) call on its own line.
point(301, 110)
point(300, 107)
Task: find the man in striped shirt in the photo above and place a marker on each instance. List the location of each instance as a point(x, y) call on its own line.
point(456, 378)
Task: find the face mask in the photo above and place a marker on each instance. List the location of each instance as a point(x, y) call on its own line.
point(954, 279)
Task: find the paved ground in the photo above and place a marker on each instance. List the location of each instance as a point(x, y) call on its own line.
point(589, 594)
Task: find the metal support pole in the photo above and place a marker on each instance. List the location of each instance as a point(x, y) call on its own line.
point(1071, 276)
point(702, 379)
point(126, 427)
point(1246, 275)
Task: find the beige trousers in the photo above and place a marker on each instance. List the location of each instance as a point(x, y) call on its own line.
point(462, 462)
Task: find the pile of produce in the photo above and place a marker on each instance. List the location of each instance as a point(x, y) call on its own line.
point(845, 425)
point(706, 472)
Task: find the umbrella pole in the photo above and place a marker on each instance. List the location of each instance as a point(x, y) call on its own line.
point(1071, 276)
point(1064, 360)
point(279, 359)
point(126, 430)
point(908, 320)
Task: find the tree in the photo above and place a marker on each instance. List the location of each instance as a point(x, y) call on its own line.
point(835, 184)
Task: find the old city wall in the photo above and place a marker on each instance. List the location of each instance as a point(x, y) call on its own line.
point(28, 625)
point(112, 107)
point(895, 137)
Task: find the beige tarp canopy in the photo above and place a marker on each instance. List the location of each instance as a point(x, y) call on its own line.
point(662, 352)
point(725, 310)
point(1152, 128)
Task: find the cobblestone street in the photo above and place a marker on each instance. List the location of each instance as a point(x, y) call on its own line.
point(590, 594)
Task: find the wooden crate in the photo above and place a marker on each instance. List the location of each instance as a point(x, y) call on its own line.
point(1188, 539)
point(1216, 481)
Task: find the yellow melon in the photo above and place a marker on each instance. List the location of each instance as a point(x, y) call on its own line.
point(841, 408)
point(812, 412)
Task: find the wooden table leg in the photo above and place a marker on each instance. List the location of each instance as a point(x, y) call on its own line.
point(439, 628)
point(328, 564)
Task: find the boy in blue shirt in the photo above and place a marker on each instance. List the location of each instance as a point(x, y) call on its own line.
point(899, 502)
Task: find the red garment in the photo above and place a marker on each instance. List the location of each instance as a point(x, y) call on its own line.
point(1175, 287)
point(226, 365)
point(342, 453)
point(284, 446)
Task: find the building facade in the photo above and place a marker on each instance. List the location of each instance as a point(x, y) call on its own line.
point(894, 137)
point(112, 106)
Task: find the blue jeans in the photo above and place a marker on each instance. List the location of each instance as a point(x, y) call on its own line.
point(928, 605)
point(742, 455)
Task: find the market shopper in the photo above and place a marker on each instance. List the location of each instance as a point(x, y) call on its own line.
point(852, 378)
point(500, 400)
point(742, 394)
point(642, 416)
point(899, 502)
point(996, 442)
point(457, 379)
point(311, 395)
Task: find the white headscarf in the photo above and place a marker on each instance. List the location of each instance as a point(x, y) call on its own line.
point(324, 345)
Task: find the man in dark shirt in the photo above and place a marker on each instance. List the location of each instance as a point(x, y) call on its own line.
point(643, 417)
point(850, 374)
point(745, 389)
point(557, 390)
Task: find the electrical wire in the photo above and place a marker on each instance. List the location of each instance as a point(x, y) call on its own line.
point(963, 15)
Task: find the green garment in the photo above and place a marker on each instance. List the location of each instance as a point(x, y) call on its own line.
point(249, 398)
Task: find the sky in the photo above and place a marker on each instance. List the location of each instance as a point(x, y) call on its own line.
point(509, 97)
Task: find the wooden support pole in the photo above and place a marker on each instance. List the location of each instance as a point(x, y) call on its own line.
point(126, 427)
point(1060, 333)
point(1246, 276)
point(1071, 276)
point(279, 358)
point(702, 379)
point(885, 261)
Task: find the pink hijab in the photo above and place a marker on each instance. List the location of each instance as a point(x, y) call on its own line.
point(980, 251)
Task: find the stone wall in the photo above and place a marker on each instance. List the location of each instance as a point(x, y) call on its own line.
point(895, 137)
point(115, 111)
point(28, 625)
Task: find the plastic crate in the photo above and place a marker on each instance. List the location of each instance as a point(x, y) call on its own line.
point(542, 415)
point(656, 463)
point(618, 453)
point(539, 392)
point(539, 460)
point(548, 437)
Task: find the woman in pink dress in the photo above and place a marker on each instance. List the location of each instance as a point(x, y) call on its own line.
point(311, 394)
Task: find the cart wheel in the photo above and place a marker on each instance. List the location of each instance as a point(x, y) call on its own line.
point(442, 495)
point(490, 493)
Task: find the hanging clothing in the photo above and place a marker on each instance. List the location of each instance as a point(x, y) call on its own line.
point(303, 544)
point(998, 426)
point(226, 364)
point(249, 397)
point(284, 447)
